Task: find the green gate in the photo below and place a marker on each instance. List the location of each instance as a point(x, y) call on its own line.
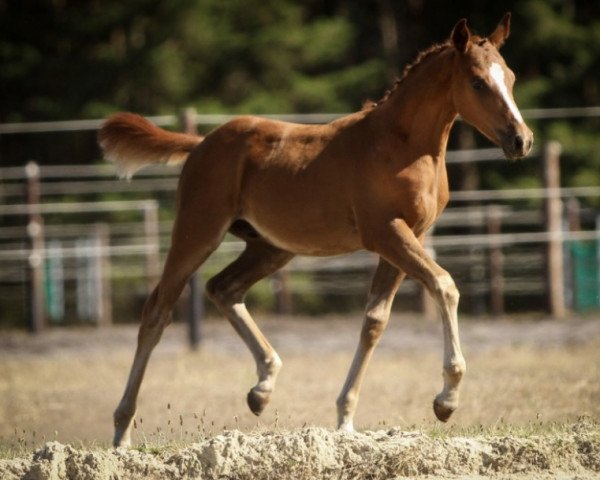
point(586, 294)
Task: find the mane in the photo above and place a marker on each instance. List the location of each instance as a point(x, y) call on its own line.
point(421, 57)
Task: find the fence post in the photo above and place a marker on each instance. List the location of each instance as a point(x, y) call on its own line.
point(196, 311)
point(496, 261)
point(35, 231)
point(283, 298)
point(196, 306)
point(553, 217)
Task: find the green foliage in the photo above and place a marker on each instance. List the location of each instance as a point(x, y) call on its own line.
point(561, 46)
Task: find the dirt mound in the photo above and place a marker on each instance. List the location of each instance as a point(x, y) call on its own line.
point(319, 453)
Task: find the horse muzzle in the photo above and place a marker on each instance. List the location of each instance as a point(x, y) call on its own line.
point(517, 144)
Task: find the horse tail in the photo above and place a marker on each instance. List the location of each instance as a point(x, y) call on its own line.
point(131, 142)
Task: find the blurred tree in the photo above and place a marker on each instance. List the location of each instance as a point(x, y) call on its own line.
point(66, 59)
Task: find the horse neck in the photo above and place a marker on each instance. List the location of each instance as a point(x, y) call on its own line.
point(420, 110)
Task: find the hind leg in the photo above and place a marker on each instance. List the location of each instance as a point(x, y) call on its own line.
point(228, 289)
point(191, 244)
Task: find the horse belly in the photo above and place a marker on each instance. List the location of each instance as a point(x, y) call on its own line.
point(305, 231)
point(299, 204)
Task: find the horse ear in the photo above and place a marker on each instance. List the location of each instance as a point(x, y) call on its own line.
point(461, 36)
point(502, 32)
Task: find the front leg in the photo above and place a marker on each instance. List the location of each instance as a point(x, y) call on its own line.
point(454, 363)
point(385, 283)
point(397, 243)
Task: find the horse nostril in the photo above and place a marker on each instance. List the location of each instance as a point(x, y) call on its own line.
point(519, 142)
point(529, 144)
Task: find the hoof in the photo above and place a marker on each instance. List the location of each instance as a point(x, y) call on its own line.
point(122, 439)
point(441, 411)
point(257, 401)
point(122, 436)
point(347, 427)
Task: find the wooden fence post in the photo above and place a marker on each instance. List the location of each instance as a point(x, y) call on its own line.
point(553, 216)
point(35, 231)
point(496, 261)
point(196, 311)
point(283, 298)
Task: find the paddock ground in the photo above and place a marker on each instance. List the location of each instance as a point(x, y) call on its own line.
point(63, 385)
point(524, 375)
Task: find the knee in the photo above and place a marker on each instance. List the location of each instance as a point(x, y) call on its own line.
point(446, 291)
point(213, 290)
point(216, 290)
point(375, 322)
point(153, 314)
point(223, 292)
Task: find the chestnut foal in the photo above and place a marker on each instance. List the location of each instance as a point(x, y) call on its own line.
point(374, 180)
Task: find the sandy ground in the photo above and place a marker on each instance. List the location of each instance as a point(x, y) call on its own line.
point(317, 453)
point(59, 389)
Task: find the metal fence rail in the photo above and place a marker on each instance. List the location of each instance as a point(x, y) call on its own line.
point(219, 118)
point(493, 250)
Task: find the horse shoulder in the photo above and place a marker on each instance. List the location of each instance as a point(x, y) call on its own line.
point(387, 188)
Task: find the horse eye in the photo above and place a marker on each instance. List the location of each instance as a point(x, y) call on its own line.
point(477, 84)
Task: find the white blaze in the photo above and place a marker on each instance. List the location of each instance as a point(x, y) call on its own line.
point(497, 74)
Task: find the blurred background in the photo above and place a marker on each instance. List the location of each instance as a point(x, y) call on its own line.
point(77, 246)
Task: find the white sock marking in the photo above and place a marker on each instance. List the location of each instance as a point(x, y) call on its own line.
point(497, 74)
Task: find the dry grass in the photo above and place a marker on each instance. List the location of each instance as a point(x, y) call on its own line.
point(65, 387)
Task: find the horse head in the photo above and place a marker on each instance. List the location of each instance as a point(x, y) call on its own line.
point(482, 87)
